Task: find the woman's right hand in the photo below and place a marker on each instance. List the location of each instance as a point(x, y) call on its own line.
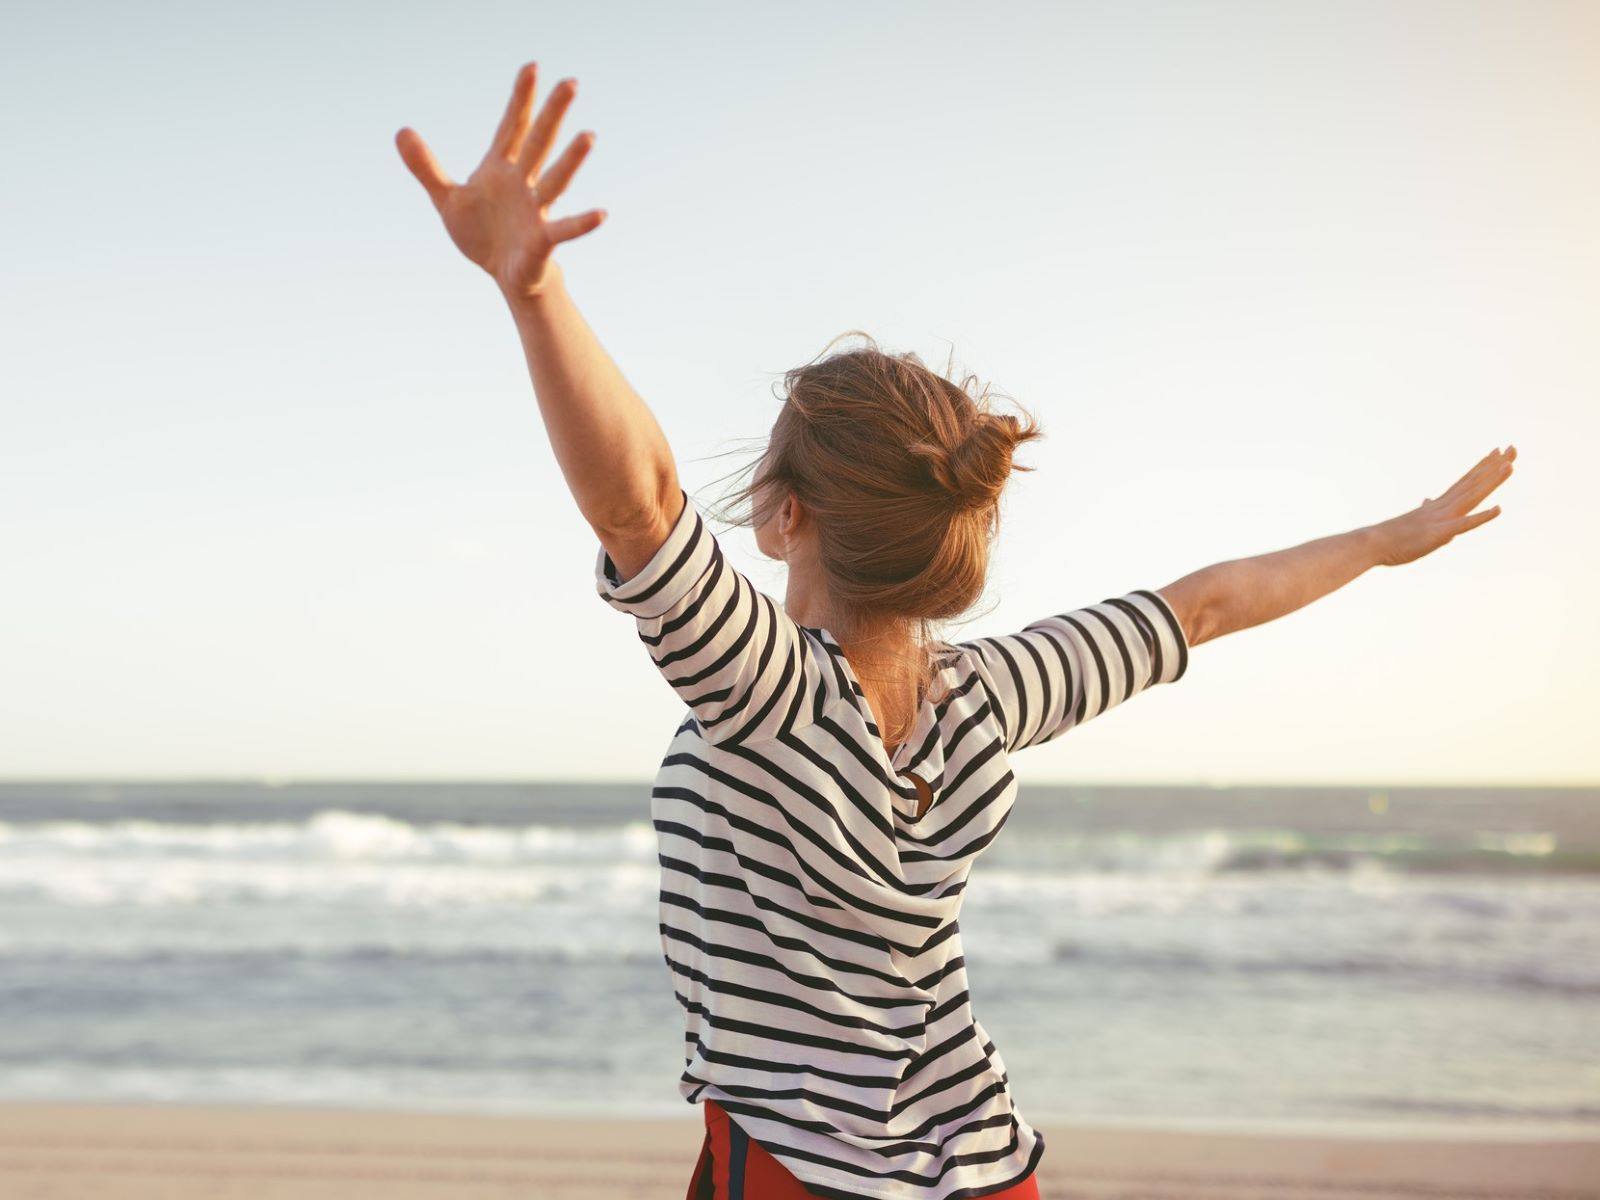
point(1424, 529)
point(497, 217)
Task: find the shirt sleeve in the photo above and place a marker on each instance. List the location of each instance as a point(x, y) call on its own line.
point(1066, 669)
point(740, 663)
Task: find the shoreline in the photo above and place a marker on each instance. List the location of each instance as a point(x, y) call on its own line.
point(135, 1151)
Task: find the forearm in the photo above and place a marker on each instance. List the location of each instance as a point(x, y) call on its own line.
point(611, 449)
point(1234, 595)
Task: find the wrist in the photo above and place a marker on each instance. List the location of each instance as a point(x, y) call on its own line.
point(1375, 542)
point(525, 296)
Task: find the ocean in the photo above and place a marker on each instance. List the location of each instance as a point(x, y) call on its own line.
point(1367, 959)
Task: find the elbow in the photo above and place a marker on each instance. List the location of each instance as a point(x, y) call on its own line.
point(640, 508)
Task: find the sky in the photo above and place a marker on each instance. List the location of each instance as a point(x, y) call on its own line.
point(275, 496)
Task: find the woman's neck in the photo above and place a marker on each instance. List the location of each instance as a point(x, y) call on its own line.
point(883, 654)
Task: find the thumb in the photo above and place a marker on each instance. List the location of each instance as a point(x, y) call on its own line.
point(415, 154)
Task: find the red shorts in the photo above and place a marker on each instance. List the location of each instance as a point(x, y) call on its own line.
point(733, 1166)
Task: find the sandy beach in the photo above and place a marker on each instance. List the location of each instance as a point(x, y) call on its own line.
point(134, 1152)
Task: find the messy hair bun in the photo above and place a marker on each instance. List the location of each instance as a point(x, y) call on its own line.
point(902, 470)
point(973, 473)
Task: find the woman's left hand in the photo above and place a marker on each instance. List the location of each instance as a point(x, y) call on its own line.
point(497, 218)
point(1433, 523)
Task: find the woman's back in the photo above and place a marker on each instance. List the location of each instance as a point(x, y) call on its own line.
point(808, 904)
point(808, 913)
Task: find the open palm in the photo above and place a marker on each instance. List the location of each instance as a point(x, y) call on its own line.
point(497, 218)
point(1435, 522)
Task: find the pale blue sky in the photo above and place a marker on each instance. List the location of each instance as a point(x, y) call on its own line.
point(275, 498)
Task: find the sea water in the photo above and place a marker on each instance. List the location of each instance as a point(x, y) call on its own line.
point(1373, 959)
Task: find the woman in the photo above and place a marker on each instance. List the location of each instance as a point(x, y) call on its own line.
point(840, 768)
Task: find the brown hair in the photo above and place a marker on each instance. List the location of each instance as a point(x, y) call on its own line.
point(902, 470)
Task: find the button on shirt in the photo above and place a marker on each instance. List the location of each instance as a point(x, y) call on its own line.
point(809, 915)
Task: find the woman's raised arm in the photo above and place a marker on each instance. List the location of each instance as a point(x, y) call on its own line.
point(1230, 596)
point(612, 451)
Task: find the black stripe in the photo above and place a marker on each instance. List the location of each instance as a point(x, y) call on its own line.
point(890, 1148)
point(999, 788)
point(793, 1037)
point(944, 1049)
point(834, 654)
point(1093, 646)
point(1019, 688)
point(781, 687)
point(1047, 698)
point(734, 883)
point(867, 760)
point(693, 601)
point(783, 1000)
point(756, 867)
point(995, 705)
point(734, 650)
point(971, 1193)
point(1128, 681)
point(1177, 630)
point(823, 762)
point(851, 865)
point(709, 914)
point(684, 555)
point(892, 1145)
point(757, 674)
point(847, 898)
point(984, 712)
point(856, 866)
point(776, 1067)
point(1147, 631)
point(803, 649)
point(1049, 731)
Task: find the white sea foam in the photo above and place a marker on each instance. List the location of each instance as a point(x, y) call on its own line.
point(335, 835)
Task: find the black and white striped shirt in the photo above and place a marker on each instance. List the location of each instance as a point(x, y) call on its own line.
point(807, 913)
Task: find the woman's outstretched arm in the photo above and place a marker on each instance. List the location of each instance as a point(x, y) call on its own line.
point(1230, 596)
point(612, 451)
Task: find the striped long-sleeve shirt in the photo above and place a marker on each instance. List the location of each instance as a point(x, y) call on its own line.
point(808, 915)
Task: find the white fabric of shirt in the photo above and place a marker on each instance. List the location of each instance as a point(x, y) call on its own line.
point(808, 916)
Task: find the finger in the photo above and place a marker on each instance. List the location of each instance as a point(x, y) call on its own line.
point(416, 155)
point(537, 144)
point(1455, 492)
point(518, 116)
point(1477, 468)
point(1477, 519)
point(554, 181)
point(1486, 483)
point(1489, 473)
point(568, 228)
